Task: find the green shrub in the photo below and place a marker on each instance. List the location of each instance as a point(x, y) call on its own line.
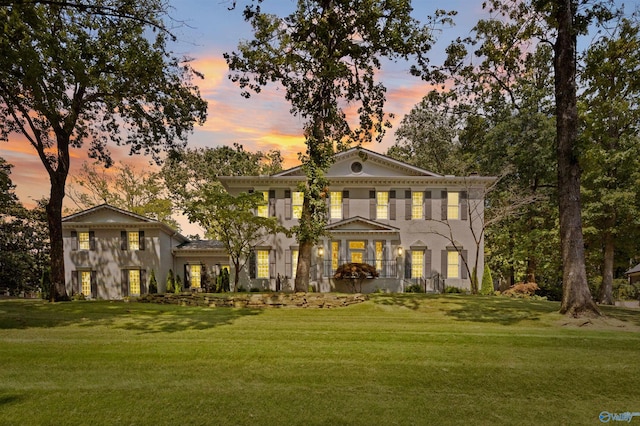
point(414, 288)
point(178, 285)
point(254, 290)
point(241, 289)
point(45, 283)
point(453, 290)
point(171, 284)
point(153, 284)
point(622, 290)
point(487, 282)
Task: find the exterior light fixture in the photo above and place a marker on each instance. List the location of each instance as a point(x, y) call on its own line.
point(321, 251)
point(400, 251)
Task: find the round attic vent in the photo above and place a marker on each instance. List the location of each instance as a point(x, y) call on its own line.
point(356, 167)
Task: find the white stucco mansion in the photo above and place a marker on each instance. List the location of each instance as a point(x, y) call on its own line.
point(413, 225)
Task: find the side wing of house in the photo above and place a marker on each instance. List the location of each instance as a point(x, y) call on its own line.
point(111, 254)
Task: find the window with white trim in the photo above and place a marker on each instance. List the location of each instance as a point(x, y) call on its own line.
point(417, 203)
point(195, 276)
point(417, 263)
point(335, 205)
point(263, 208)
point(85, 281)
point(453, 264)
point(134, 282)
point(262, 264)
point(297, 199)
point(453, 205)
point(84, 240)
point(382, 205)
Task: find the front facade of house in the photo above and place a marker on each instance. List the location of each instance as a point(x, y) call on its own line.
point(417, 228)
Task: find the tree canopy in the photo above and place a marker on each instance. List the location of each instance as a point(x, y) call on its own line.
point(70, 75)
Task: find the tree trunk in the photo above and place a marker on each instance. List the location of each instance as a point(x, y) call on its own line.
point(576, 297)
point(605, 295)
point(58, 177)
point(305, 245)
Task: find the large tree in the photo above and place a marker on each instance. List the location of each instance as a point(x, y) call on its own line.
point(325, 55)
point(190, 172)
point(98, 72)
point(232, 220)
point(610, 145)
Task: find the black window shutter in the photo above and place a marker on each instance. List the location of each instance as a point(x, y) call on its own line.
point(427, 263)
point(407, 205)
point(345, 204)
point(272, 202)
point(272, 263)
point(75, 282)
point(187, 277)
point(287, 204)
point(74, 237)
point(94, 285)
point(443, 205)
point(92, 240)
point(123, 240)
point(144, 289)
point(443, 255)
point(372, 205)
point(125, 283)
point(464, 273)
point(407, 264)
point(427, 205)
point(464, 205)
point(252, 265)
point(288, 266)
point(141, 239)
point(392, 205)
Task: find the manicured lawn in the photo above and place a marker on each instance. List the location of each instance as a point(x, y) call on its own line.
point(405, 359)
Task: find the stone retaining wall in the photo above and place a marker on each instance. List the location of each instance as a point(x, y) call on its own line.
point(257, 300)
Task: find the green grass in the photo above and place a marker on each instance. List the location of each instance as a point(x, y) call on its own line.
point(402, 359)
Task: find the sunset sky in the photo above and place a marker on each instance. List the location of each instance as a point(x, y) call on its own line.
point(206, 29)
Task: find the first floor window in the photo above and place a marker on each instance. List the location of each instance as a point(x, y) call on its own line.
point(417, 199)
point(335, 254)
point(85, 280)
point(357, 251)
point(297, 199)
point(195, 276)
point(453, 264)
point(294, 263)
point(379, 254)
point(262, 264)
point(335, 200)
point(134, 282)
point(417, 265)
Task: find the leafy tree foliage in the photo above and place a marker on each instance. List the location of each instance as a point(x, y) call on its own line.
point(190, 172)
point(233, 221)
point(24, 245)
point(611, 151)
point(71, 75)
point(325, 55)
point(141, 192)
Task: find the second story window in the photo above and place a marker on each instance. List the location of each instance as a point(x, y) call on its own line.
point(382, 205)
point(453, 205)
point(297, 199)
point(134, 241)
point(263, 208)
point(83, 240)
point(335, 206)
point(417, 202)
